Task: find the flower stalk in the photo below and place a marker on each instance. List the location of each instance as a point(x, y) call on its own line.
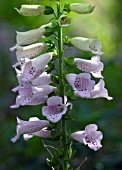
point(61, 86)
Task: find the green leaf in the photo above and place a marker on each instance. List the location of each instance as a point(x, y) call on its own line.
point(69, 62)
point(48, 10)
point(54, 79)
point(48, 31)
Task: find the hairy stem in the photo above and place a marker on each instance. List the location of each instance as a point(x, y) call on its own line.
point(61, 86)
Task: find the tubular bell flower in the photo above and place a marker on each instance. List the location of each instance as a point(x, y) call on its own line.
point(32, 127)
point(31, 95)
point(55, 109)
point(100, 91)
point(29, 51)
point(34, 10)
point(81, 8)
point(93, 66)
point(87, 44)
point(90, 136)
point(31, 69)
point(81, 83)
point(29, 37)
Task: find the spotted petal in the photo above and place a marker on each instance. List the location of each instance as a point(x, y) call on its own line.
point(93, 66)
point(34, 100)
point(55, 109)
point(29, 51)
point(32, 69)
point(95, 145)
point(90, 137)
point(81, 83)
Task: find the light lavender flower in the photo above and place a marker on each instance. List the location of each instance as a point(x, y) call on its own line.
point(93, 66)
point(31, 69)
point(31, 95)
point(90, 136)
point(100, 91)
point(81, 83)
point(43, 79)
point(54, 109)
point(32, 127)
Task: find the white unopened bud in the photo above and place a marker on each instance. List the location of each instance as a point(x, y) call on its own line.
point(81, 8)
point(34, 10)
point(29, 37)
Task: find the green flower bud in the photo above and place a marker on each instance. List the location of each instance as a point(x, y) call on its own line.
point(81, 8)
point(34, 10)
point(64, 21)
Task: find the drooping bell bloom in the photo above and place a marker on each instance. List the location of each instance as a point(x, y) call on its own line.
point(87, 44)
point(90, 136)
point(100, 91)
point(93, 66)
point(32, 127)
point(81, 8)
point(81, 83)
point(33, 68)
point(55, 109)
point(64, 21)
point(34, 10)
point(29, 37)
point(31, 95)
point(29, 51)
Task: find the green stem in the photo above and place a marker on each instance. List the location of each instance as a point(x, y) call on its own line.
point(61, 86)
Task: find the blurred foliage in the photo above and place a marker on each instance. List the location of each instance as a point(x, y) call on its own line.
point(106, 23)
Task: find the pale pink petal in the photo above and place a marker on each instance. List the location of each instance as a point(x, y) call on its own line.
point(78, 136)
point(91, 128)
point(71, 78)
point(54, 112)
point(43, 133)
point(29, 127)
point(54, 100)
point(43, 79)
point(35, 100)
point(99, 91)
point(17, 104)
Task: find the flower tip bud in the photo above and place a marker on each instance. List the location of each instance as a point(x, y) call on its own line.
point(82, 8)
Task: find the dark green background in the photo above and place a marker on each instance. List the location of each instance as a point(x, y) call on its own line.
point(106, 23)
